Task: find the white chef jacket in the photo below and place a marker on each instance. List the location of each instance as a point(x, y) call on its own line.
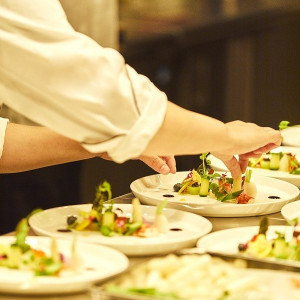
point(3, 124)
point(66, 81)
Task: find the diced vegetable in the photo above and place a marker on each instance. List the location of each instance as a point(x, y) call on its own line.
point(237, 183)
point(265, 163)
point(274, 162)
point(193, 190)
point(108, 219)
point(204, 188)
point(161, 222)
point(284, 163)
point(249, 187)
point(136, 211)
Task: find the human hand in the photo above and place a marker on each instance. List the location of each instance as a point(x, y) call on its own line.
point(247, 140)
point(161, 164)
point(236, 166)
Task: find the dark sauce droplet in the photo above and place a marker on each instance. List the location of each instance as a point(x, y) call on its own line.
point(175, 229)
point(168, 195)
point(274, 197)
point(64, 230)
point(119, 209)
point(90, 269)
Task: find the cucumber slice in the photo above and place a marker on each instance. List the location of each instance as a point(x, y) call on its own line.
point(265, 163)
point(274, 161)
point(204, 188)
point(193, 190)
point(108, 219)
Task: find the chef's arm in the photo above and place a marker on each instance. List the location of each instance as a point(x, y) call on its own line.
point(186, 132)
point(31, 147)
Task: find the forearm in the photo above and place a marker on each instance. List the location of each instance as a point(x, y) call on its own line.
point(185, 132)
point(29, 147)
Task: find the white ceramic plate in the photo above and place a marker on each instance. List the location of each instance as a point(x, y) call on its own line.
point(226, 241)
point(98, 263)
point(291, 211)
point(257, 284)
point(291, 136)
point(151, 190)
point(217, 164)
point(191, 226)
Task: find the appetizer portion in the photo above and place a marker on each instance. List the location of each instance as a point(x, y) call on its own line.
point(278, 247)
point(187, 277)
point(277, 161)
point(204, 181)
point(22, 256)
point(110, 220)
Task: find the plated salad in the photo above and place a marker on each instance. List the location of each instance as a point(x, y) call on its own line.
point(277, 161)
point(110, 220)
point(278, 247)
point(22, 256)
point(188, 277)
point(204, 181)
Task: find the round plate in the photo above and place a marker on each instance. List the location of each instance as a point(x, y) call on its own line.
point(98, 263)
point(151, 190)
point(226, 241)
point(291, 136)
point(217, 164)
point(291, 211)
point(191, 228)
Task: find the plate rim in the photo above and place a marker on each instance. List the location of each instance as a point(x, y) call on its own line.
point(207, 224)
point(285, 207)
point(238, 229)
point(74, 284)
point(178, 205)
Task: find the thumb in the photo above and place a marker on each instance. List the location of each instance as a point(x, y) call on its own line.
point(156, 163)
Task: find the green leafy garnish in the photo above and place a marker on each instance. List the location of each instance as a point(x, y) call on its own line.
point(263, 226)
point(112, 288)
point(103, 194)
point(283, 125)
point(204, 165)
point(22, 230)
point(220, 194)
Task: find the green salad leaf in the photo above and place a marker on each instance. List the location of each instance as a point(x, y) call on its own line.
point(283, 125)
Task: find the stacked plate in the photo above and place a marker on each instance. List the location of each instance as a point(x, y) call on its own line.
point(103, 257)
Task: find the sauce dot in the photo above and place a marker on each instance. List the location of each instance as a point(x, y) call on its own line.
point(175, 229)
point(274, 197)
point(64, 230)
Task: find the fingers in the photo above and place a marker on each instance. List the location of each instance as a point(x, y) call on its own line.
point(171, 162)
point(265, 149)
point(243, 162)
point(244, 158)
point(162, 165)
point(234, 167)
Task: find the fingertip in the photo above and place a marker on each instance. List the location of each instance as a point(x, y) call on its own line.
point(164, 170)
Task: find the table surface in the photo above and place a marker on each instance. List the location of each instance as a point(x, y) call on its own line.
point(218, 224)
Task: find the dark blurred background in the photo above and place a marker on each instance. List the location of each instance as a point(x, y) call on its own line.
point(230, 59)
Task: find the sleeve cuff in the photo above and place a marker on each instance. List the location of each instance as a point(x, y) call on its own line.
point(3, 125)
point(137, 139)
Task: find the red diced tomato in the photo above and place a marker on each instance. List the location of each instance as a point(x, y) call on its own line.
point(243, 198)
point(121, 221)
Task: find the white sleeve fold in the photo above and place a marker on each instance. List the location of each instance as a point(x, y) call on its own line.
point(3, 124)
point(64, 80)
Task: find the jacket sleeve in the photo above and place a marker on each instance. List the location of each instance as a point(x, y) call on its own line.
point(64, 80)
